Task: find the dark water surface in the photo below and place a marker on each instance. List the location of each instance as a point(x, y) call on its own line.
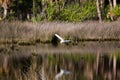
point(84, 60)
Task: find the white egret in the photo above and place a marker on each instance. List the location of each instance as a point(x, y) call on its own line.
point(62, 40)
point(62, 72)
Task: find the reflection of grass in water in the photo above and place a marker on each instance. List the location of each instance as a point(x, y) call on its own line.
point(76, 57)
point(117, 55)
point(72, 57)
point(89, 57)
point(51, 58)
point(48, 65)
point(65, 60)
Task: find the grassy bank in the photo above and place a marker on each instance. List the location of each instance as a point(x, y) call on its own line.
point(27, 32)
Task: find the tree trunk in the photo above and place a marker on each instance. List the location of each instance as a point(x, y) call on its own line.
point(57, 5)
point(98, 11)
point(33, 8)
point(17, 9)
point(5, 13)
point(114, 3)
point(110, 3)
point(4, 5)
point(102, 3)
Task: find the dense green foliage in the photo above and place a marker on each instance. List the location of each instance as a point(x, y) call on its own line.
point(69, 13)
point(115, 11)
point(38, 10)
point(75, 13)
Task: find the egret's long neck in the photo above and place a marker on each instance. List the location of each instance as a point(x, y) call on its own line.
point(62, 72)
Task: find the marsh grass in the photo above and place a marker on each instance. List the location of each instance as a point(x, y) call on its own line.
point(24, 32)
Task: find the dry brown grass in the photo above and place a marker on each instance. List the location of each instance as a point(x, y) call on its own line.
point(44, 31)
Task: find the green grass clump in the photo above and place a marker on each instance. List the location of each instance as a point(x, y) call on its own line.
point(51, 11)
point(71, 13)
point(115, 10)
point(76, 13)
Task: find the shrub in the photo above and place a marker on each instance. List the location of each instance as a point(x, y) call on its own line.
point(76, 13)
point(71, 13)
point(50, 12)
point(37, 18)
point(114, 12)
point(88, 11)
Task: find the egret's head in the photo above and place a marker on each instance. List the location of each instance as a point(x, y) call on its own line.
point(62, 71)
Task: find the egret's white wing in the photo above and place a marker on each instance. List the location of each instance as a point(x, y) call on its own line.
point(59, 37)
point(67, 41)
point(67, 72)
point(61, 73)
point(58, 75)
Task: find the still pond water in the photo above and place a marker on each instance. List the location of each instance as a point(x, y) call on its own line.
point(83, 60)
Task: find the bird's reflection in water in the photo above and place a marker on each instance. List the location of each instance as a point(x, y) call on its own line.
point(61, 73)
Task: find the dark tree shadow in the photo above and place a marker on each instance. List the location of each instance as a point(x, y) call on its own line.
point(54, 41)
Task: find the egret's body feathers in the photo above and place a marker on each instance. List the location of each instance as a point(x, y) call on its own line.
point(62, 72)
point(61, 39)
